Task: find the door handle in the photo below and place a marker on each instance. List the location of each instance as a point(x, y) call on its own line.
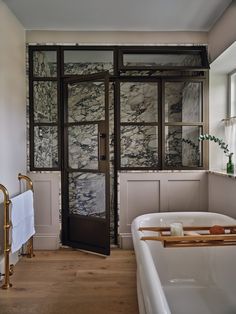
point(101, 146)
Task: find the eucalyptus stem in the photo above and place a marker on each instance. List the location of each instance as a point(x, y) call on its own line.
point(221, 143)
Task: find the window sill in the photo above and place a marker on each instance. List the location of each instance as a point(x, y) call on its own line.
point(222, 173)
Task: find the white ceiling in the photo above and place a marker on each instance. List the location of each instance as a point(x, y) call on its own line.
point(118, 15)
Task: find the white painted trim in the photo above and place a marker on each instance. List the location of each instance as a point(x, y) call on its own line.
point(125, 241)
point(46, 242)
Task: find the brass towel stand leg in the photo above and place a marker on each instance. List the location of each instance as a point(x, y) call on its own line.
point(30, 247)
point(7, 247)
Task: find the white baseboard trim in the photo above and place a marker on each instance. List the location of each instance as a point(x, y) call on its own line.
point(46, 242)
point(125, 241)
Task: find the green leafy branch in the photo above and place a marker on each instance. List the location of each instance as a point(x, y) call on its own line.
point(221, 143)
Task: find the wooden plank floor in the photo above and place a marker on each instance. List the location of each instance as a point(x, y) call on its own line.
point(72, 282)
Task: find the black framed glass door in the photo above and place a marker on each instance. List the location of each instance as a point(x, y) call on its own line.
point(86, 213)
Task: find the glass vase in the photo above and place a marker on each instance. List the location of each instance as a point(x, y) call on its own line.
point(230, 166)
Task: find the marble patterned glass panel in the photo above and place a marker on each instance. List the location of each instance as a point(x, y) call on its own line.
point(111, 162)
point(45, 63)
point(138, 102)
point(45, 147)
point(86, 101)
point(78, 62)
point(45, 101)
point(183, 101)
point(168, 60)
point(182, 148)
point(87, 194)
point(83, 146)
point(139, 146)
point(150, 72)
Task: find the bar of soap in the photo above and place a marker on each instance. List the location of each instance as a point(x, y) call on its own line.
point(217, 230)
point(191, 233)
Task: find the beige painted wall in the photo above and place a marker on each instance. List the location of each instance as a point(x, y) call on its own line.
point(217, 112)
point(116, 37)
point(223, 33)
point(12, 99)
point(12, 103)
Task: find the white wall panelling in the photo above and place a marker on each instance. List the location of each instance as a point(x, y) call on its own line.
point(46, 203)
point(148, 192)
point(222, 196)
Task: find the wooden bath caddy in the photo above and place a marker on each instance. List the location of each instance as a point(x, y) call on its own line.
point(202, 238)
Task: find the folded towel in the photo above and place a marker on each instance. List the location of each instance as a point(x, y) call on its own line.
point(22, 218)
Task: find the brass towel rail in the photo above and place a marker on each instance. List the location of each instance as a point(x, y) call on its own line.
point(28, 180)
point(7, 246)
point(7, 225)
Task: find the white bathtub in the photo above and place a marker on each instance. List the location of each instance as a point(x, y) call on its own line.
point(198, 280)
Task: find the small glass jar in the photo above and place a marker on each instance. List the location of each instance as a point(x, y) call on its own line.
point(176, 229)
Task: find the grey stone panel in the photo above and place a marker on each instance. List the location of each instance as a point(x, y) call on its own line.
point(87, 194)
point(45, 101)
point(86, 102)
point(83, 146)
point(139, 102)
point(44, 64)
point(87, 68)
point(169, 60)
point(45, 146)
point(139, 146)
point(182, 146)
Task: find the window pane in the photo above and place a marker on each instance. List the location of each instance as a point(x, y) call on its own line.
point(45, 147)
point(168, 60)
point(139, 102)
point(139, 146)
point(233, 95)
point(86, 101)
point(45, 63)
point(183, 102)
point(83, 146)
point(150, 72)
point(87, 61)
point(182, 147)
point(87, 194)
point(45, 101)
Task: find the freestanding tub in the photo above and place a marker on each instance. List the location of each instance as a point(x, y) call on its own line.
point(195, 280)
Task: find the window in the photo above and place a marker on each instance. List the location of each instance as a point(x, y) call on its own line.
point(232, 94)
point(183, 122)
point(45, 131)
point(158, 104)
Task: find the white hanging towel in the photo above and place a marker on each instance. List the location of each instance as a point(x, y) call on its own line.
point(22, 218)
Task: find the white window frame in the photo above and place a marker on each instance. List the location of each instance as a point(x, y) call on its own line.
point(232, 94)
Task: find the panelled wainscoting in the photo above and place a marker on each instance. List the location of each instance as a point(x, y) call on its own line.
point(47, 205)
point(222, 196)
point(148, 192)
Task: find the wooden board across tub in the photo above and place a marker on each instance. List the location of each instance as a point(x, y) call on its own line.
point(201, 236)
